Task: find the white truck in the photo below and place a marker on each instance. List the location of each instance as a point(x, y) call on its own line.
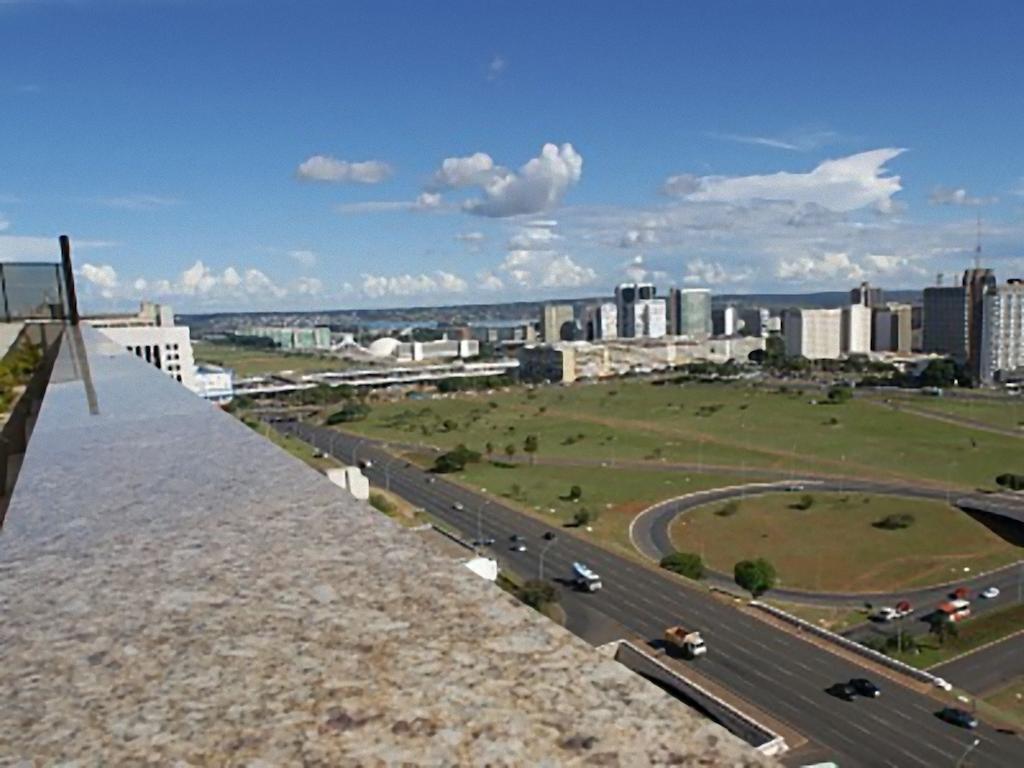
point(688, 642)
point(585, 579)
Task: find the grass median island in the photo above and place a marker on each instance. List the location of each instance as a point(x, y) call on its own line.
point(844, 542)
point(970, 634)
point(1009, 700)
point(726, 424)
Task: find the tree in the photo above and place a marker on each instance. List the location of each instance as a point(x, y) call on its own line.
point(805, 503)
point(510, 450)
point(448, 425)
point(575, 493)
point(729, 509)
point(349, 412)
point(537, 594)
point(530, 445)
point(894, 522)
point(942, 626)
point(755, 576)
point(1011, 481)
point(583, 516)
point(939, 373)
point(686, 564)
point(840, 394)
point(455, 460)
point(489, 448)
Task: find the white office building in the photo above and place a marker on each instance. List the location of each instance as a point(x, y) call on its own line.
point(856, 330)
point(1002, 341)
point(152, 335)
point(815, 334)
point(600, 322)
point(649, 319)
point(215, 384)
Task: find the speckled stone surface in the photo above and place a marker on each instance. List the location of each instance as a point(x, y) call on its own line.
point(175, 590)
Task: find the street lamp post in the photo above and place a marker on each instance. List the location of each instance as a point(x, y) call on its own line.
point(544, 551)
point(967, 751)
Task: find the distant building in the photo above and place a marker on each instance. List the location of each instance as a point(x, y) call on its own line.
point(553, 318)
point(944, 322)
point(292, 338)
point(754, 322)
point(977, 282)
point(600, 321)
point(690, 312)
point(867, 296)
point(724, 321)
point(550, 362)
point(214, 383)
point(639, 313)
point(893, 329)
point(815, 334)
point(152, 335)
point(416, 351)
point(856, 330)
point(504, 332)
point(1002, 347)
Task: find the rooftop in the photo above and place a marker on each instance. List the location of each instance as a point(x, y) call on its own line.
point(176, 588)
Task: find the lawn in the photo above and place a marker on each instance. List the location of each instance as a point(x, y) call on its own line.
point(835, 546)
point(833, 619)
point(706, 424)
point(615, 495)
point(248, 361)
point(1009, 700)
point(971, 634)
point(1003, 412)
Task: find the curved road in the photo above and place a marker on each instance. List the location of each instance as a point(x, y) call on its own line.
point(773, 669)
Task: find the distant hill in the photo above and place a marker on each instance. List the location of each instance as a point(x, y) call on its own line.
point(822, 300)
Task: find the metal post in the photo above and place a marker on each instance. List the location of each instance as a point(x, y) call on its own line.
point(540, 568)
point(967, 751)
point(69, 278)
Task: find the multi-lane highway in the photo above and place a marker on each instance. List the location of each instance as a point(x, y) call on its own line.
point(773, 669)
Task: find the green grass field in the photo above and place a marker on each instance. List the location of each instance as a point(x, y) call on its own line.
point(1009, 700)
point(709, 424)
point(247, 361)
point(971, 634)
point(1004, 412)
point(615, 495)
point(834, 546)
point(298, 448)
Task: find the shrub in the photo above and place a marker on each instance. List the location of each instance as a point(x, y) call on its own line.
point(805, 503)
point(382, 503)
point(575, 493)
point(839, 395)
point(894, 522)
point(755, 576)
point(349, 412)
point(583, 517)
point(729, 509)
point(456, 459)
point(537, 594)
point(1011, 481)
point(686, 564)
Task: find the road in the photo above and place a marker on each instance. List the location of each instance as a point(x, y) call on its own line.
point(985, 670)
point(771, 668)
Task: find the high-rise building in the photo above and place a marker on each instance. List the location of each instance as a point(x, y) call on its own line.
point(815, 334)
point(639, 313)
point(600, 321)
point(868, 296)
point(754, 321)
point(893, 329)
point(689, 311)
point(724, 321)
point(976, 282)
point(856, 329)
point(944, 326)
point(553, 318)
point(1002, 345)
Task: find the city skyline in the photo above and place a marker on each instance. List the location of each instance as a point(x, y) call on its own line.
point(338, 158)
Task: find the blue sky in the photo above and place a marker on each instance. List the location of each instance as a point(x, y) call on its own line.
point(267, 155)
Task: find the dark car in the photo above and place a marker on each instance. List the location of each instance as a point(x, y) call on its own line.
point(515, 537)
point(865, 687)
point(959, 717)
point(843, 691)
point(549, 536)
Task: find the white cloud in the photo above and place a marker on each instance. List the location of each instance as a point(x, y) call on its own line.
point(427, 201)
point(103, 276)
point(488, 281)
point(803, 142)
point(637, 237)
point(330, 169)
point(303, 257)
point(4, 223)
point(827, 266)
point(707, 272)
point(635, 270)
point(470, 237)
point(473, 170)
point(538, 186)
point(31, 248)
point(139, 202)
point(534, 238)
point(950, 196)
point(308, 286)
point(496, 67)
point(201, 282)
point(845, 184)
point(378, 286)
point(545, 269)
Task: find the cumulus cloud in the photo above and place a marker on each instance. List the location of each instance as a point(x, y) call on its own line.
point(827, 266)
point(537, 186)
point(303, 257)
point(4, 223)
point(707, 272)
point(330, 169)
point(844, 184)
point(427, 201)
point(488, 281)
point(439, 282)
point(635, 270)
point(308, 286)
point(103, 277)
point(544, 269)
point(470, 237)
point(951, 196)
point(637, 237)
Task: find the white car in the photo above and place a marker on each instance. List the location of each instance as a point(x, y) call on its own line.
point(518, 547)
point(885, 614)
point(458, 506)
point(990, 593)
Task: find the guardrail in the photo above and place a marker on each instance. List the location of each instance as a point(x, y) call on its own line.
point(760, 737)
point(855, 647)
